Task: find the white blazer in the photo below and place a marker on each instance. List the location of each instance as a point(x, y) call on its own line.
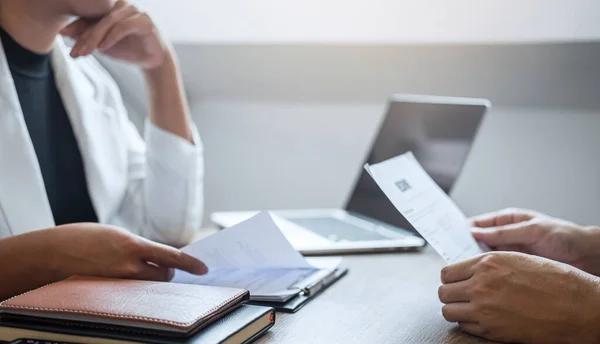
point(151, 186)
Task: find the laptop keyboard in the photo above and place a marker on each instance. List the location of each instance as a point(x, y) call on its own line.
point(337, 230)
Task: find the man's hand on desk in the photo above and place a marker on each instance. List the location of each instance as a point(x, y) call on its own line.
point(529, 295)
point(514, 297)
point(534, 233)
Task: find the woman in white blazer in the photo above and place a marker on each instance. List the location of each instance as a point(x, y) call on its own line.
point(150, 187)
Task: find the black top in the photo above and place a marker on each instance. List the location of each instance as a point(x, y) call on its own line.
point(51, 133)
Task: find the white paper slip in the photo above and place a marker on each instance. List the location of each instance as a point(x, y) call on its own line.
point(253, 255)
point(426, 206)
point(254, 243)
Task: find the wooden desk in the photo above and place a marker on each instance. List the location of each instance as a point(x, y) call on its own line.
point(389, 298)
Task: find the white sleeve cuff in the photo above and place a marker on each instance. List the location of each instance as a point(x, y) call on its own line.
point(172, 151)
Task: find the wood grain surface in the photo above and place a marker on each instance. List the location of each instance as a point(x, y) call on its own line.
point(389, 298)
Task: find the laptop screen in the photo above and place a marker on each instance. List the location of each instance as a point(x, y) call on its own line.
point(440, 135)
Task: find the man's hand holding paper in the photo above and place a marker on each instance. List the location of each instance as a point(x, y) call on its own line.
point(425, 205)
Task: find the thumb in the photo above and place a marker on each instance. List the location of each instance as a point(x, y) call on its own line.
point(513, 234)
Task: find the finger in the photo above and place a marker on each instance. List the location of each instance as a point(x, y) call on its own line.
point(83, 45)
point(75, 29)
point(454, 292)
point(510, 248)
point(79, 44)
point(522, 233)
point(460, 271)
point(137, 24)
point(80, 39)
point(472, 328)
point(97, 33)
point(149, 272)
point(459, 312)
point(502, 218)
point(169, 257)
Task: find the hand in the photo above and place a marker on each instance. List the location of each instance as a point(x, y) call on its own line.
point(106, 251)
point(124, 33)
point(514, 297)
point(535, 233)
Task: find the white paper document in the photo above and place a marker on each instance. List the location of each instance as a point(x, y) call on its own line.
point(426, 207)
point(252, 255)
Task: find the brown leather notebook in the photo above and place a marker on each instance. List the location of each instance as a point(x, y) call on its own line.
point(125, 305)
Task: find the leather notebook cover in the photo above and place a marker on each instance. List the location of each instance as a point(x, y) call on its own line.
point(243, 325)
point(125, 305)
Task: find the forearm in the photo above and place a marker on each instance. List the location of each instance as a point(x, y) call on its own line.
point(168, 106)
point(174, 165)
point(26, 262)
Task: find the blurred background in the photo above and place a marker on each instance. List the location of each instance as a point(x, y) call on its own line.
point(287, 95)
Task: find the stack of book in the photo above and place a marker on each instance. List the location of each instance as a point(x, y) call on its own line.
point(101, 310)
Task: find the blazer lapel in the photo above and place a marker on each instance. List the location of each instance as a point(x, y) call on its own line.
point(95, 124)
point(22, 192)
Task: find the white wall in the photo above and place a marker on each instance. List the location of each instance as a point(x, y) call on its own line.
point(281, 155)
point(376, 21)
point(549, 75)
point(288, 125)
point(263, 155)
point(545, 159)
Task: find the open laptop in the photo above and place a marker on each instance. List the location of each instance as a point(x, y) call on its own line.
point(438, 130)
